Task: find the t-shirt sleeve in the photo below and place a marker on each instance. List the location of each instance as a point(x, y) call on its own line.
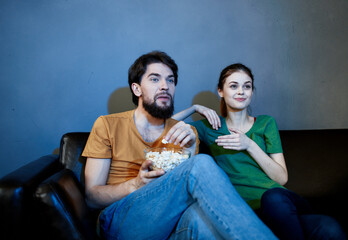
point(272, 137)
point(98, 144)
point(197, 139)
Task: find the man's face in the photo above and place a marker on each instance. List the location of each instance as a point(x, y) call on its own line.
point(157, 90)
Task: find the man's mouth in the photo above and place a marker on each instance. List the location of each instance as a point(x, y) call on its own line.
point(163, 97)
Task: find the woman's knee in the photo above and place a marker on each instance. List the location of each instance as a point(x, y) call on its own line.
point(275, 195)
point(317, 226)
point(277, 201)
point(332, 228)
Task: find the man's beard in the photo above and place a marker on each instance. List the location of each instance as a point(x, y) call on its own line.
point(159, 112)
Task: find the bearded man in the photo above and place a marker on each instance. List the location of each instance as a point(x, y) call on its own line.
point(193, 201)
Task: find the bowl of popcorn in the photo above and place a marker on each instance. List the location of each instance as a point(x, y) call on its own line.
point(166, 158)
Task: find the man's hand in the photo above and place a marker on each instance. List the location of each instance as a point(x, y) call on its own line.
point(100, 194)
point(145, 175)
point(181, 133)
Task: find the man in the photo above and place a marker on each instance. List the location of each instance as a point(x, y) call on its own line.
point(193, 201)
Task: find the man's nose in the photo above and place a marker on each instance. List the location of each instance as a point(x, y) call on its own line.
point(164, 84)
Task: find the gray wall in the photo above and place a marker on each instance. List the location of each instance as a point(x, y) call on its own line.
point(64, 63)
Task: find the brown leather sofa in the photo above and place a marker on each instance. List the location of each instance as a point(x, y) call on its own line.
point(45, 198)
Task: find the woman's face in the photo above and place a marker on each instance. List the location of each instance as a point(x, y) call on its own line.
point(237, 91)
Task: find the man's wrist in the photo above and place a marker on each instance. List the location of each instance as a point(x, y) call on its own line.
point(133, 185)
point(192, 149)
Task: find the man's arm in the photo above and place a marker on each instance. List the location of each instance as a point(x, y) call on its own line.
point(100, 195)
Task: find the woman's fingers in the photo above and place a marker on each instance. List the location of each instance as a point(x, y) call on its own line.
point(213, 119)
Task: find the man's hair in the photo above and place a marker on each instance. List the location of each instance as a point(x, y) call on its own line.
point(138, 68)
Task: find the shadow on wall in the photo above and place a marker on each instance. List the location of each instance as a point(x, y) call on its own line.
point(207, 99)
point(120, 101)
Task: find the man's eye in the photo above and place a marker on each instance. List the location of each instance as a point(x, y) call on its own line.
point(154, 79)
point(171, 80)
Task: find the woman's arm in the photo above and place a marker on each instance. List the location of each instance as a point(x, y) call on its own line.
point(208, 113)
point(180, 116)
point(274, 165)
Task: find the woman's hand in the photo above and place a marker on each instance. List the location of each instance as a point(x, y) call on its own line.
point(210, 115)
point(273, 165)
point(237, 140)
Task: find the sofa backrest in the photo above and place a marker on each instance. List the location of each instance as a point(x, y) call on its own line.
point(71, 148)
point(317, 161)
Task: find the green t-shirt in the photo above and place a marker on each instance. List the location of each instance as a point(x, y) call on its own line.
point(245, 174)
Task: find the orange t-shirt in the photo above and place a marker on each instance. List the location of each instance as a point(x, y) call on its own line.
point(115, 136)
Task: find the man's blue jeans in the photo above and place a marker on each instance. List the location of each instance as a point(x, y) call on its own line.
point(194, 201)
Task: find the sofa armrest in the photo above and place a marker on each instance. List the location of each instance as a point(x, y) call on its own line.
point(60, 202)
point(16, 191)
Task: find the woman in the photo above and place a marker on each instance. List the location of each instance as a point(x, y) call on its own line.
point(249, 150)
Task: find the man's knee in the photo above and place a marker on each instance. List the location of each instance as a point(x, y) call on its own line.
point(203, 162)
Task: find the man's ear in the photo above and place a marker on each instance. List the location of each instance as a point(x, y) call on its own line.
point(136, 89)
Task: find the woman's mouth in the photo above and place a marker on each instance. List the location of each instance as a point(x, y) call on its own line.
point(240, 99)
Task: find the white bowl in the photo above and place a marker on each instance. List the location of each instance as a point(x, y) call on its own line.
point(166, 158)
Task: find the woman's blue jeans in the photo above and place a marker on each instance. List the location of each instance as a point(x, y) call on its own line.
point(291, 217)
point(194, 201)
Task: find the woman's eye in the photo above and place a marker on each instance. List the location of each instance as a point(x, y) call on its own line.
point(234, 86)
point(247, 86)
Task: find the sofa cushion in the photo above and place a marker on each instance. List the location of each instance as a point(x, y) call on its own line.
point(64, 213)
